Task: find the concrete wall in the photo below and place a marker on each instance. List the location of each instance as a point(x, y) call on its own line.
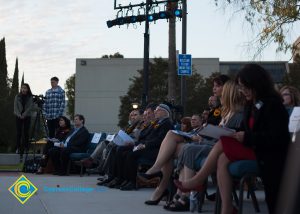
point(101, 82)
point(99, 85)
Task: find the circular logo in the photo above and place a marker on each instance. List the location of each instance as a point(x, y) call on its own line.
point(22, 189)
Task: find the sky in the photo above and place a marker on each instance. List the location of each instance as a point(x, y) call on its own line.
point(47, 36)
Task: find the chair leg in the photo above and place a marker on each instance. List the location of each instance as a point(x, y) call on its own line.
point(201, 197)
point(81, 170)
point(235, 197)
point(254, 199)
point(69, 167)
point(241, 195)
point(218, 203)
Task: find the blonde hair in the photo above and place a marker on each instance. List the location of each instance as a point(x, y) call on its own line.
point(231, 99)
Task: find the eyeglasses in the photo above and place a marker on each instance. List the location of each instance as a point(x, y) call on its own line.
point(285, 94)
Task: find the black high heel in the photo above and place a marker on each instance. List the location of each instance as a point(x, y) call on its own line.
point(146, 177)
point(155, 202)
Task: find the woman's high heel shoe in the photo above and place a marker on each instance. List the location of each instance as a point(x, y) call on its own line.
point(155, 202)
point(146, 177)
point(199, 188)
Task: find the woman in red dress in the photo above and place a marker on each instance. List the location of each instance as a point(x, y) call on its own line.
point(265, 131)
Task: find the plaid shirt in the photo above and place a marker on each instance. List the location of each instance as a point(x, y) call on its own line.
point(54, 105)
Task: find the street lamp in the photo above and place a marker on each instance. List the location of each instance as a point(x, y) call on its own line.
point(135, 105)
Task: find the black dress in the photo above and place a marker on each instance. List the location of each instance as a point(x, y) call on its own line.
point(270, 140)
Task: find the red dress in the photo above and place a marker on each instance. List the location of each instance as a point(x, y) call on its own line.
point(235, 150)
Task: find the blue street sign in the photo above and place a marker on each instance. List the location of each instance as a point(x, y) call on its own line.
point(185, 64)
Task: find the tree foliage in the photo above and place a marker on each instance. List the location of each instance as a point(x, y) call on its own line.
point(274, 18)
point(198, 90)
point(115, 55)
point(70, 93)
point(4, 93)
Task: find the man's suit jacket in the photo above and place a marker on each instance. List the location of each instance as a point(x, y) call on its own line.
point(80, 140)
point(156, 135)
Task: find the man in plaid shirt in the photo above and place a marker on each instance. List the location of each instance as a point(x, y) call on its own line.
point(54, 105)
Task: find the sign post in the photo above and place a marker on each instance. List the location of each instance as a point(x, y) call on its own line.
point(184, 65)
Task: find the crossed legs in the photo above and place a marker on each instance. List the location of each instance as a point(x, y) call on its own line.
point(169, 146)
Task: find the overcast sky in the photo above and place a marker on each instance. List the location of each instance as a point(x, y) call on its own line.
point(47, 36)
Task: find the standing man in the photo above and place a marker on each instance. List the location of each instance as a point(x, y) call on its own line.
point(54, 105)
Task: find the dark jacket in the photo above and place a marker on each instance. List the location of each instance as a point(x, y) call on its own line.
point(270, 135)
point(18, 107)
point(80, 140)
point(156, 135)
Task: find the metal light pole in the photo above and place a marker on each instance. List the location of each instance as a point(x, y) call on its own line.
point(184, 29)
point(146, 56)
point(147, 7)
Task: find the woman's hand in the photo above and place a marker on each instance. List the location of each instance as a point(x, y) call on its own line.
point(239, 136)
point(196, 138)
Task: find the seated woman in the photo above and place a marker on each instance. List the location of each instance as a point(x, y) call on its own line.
point(193, 154)
point(173, 143)
point(76, 142)
point(64, 127)
point(185, 125)
point(265, 134)
point(291, 97)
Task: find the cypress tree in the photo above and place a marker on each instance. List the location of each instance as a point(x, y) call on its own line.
point(4, 93)
point(22, 81)
point(14, 90)
point(15, 83)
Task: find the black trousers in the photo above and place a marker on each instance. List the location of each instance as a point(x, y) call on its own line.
point(52, 126)
point(120, 158)
point(46, 150)
point(60, 157)
point(131, 162)
point(110, 169)
point(23, 126)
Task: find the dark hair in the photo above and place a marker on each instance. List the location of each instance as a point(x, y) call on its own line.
point(139, 110)
point(29, 93)
point(257, 79)
point(187, 121)
point(81, 117)
point(67, 121)
point(55, 79)
point(152, 106)
point(221, 79)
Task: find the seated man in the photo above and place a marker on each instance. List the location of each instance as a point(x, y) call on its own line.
point(76, 142)
point(98, 157)
point(147, 147)
point(112, 168)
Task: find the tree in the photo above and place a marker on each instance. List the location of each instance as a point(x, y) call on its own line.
point(3, 73)
point(22, 81)
point(15, 83)
point(70, 93)
point(115, 55)
point(4, 93)
point(14, 90)
point(274, 19)
point(199, 89)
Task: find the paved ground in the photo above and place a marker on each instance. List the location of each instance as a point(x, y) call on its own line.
point(98, 200)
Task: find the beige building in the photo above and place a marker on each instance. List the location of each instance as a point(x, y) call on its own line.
point(101, 82)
